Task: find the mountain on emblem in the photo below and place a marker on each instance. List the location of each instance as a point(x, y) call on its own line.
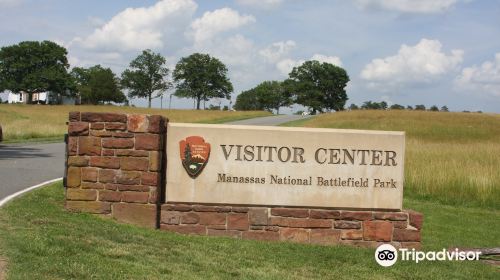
point(194, 154)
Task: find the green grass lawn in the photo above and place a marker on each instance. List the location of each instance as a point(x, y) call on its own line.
point(40, 240)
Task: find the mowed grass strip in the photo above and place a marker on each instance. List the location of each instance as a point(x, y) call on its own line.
point(450, 157)
point(23, 123)
point(40, 240)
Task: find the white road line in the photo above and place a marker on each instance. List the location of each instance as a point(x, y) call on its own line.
point(14, 195)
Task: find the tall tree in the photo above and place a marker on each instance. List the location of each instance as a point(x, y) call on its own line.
point(248, 101)
point(201, 77)
point(147, 75)
point(268, 95)
point(319, 86)
point(274, 95)
point(33, 67)
point(81, 77)
point(97, 85)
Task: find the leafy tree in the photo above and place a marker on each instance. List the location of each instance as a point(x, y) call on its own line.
point(420, 107)
point(444, 109)
point(201, 77)
point(320, 86)
point(187, 153)
point(33, 67)
point(274, 95)
point(249, 100)
point(147, 74)
point(353, 107)
point(269, 95)
point(369, 105)
point(97, 85)
point(409, 107)
point(383, 105)
point(397, 107)
point(81, 78)
point(434, 108)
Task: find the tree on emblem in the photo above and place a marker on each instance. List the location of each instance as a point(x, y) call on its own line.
point(187, 154)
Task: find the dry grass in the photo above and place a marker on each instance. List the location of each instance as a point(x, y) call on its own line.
point(450, 157)
point(25, 122)
point(3, 268)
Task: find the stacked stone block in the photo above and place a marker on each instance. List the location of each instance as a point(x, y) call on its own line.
point(116, 168)
point(115, 165)
point(316, 226)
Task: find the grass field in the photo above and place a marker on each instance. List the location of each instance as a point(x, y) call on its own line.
point(40, 240)
point(453, 158)
point(22, 123)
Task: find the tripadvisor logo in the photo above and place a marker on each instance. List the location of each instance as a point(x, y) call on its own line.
point(386, 255)
point(194, 152)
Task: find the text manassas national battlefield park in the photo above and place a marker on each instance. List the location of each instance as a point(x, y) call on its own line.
point(321, 156)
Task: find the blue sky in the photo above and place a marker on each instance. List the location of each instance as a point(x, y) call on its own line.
point(432, 52)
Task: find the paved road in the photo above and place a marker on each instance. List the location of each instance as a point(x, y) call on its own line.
point(22, 166)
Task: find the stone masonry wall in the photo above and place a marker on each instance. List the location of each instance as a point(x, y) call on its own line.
point(115, 165)
point(317, 226)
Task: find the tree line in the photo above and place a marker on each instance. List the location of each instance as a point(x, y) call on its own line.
point(371, 105)
point(32, 67)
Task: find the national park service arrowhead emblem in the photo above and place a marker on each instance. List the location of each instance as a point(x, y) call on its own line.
point(194, 153)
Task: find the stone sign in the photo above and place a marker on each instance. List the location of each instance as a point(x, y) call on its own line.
point(278, 166)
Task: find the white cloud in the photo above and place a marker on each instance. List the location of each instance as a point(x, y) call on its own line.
point(409, 6)
point(234, 50)
point(261, 4)
point(285, 66)
point(214, 33)
point(141, 28)
point(237, 52)
point(276, 51)
point(422, 63)
point(217, 21)
point(484, 78)
point(335, 60)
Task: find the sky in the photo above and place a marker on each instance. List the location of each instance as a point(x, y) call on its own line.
point(431, 52)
